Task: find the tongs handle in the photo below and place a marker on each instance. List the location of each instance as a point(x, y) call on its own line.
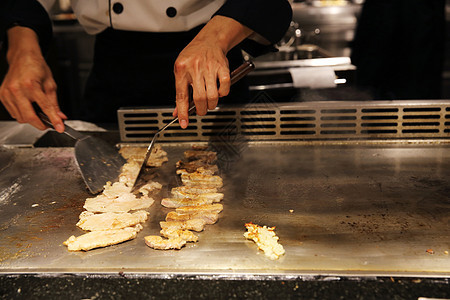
point(67, 129)
point(241, 71)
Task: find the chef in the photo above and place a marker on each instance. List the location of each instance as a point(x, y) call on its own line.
point(146, 53)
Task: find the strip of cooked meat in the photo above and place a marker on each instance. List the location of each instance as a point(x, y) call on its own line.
point(193, 190)
point(96, 239)
point(186, 235)
point(197, 180)
point(206, 156)
point(192, 166)
point(215, 197)
point(194, 224)
point(199, 171)
point(214, 208)
point(159, 243)
point(110, 220)
point(208, 217)
point(174, 203)
point(199, 147)
point(123, 203)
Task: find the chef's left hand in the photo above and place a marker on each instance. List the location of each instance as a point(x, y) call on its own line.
point(203, 65)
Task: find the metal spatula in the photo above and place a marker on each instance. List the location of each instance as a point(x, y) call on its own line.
point(235, 76)
point(97, 160)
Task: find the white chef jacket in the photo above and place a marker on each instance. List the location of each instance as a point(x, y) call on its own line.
point(141, 15)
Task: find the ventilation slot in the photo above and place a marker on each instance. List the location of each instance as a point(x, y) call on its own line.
point(297, 112)
point(338, 132)
point(257, 112)
point(422, 109)
point(335, 122)
point(140, 115)
point(221, 120)
point(179, 134)
point(142, 128)
point(139, 122)
point(379, 110)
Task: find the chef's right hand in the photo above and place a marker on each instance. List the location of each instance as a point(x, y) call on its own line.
point(29, 80)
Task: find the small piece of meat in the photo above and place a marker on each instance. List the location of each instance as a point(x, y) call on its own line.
point(194, 224)
point(130, 171)
point(137, 154)
point(150, 187)
point(206, 156)
point(194, 165)
point(206, 181)
point(110, 220)
point(156, 161)
point(116, 189)
point(184, 234)
point(193, 190)
point(123, 203)
point(96, 239)
point(214, 197)
point(174, 203)
point(159, 243)
point(197, 166)
point(208, 217)
point(199, 147)
point(266, 239)
point(214, 208)
point(199, 171)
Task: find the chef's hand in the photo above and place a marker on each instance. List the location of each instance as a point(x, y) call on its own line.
point(203, 64)
point(29, 80)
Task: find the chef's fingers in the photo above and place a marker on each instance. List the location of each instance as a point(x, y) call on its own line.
point(19, 98)
point(27, 113)
point(223, 74)
point(175, 112)
point(37, 95)
point(55, 114)
point(5, 97)
point(182, 100)
point(212, 94)
point(199, 95)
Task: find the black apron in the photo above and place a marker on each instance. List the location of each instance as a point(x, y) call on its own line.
point(136, 69)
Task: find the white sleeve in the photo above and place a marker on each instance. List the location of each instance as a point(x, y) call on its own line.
point(47, 4)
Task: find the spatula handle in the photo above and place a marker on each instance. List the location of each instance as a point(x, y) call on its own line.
point(67, 129)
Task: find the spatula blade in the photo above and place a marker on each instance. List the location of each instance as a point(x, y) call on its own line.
point(99, 162)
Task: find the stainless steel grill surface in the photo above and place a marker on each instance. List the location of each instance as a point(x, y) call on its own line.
point(365, 207)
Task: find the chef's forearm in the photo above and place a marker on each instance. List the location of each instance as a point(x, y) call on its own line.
point(224, 32)
point(26, 13)
point(269, 19)
point(22, 41)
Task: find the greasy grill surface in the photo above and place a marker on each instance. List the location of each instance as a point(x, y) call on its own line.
point(338, 209)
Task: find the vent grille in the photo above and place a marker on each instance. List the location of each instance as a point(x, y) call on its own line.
point(424, 119)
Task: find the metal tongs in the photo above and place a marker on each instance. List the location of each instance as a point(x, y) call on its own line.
point(235, 76)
